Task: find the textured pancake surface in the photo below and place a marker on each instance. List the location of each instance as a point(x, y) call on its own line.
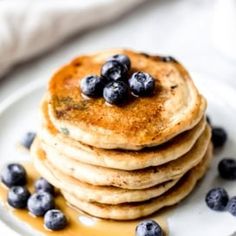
point(131, 211)
point(175, 106)
point(137, 179)
point(119, 159)
point(92, 193)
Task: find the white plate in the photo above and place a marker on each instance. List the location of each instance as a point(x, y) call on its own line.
point(19, 114)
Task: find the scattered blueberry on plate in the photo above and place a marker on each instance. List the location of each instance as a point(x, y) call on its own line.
point(115, 92)
point(13, 175)
point(217, 199)
point(92, 85)
point(28, 139)
point(39, 203)
point(219, 137)
point(231, 206)
point(55, 220)
point(18, 196)
point(141, 84)
point(227, 168)
point(42, 185)
point(148, 228)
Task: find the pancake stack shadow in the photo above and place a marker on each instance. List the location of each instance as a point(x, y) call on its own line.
point(116, 174)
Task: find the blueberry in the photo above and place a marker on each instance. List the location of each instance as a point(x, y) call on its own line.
point(114, 71)
point(123, 59)
point(219, 137)
point(217, 199)
point(115, 92)
point(148, 228)
point(92, 85)
point(231, 206)
point(18, 196)
point(227, 168)
point(43, 185)
point(28, 139)
point(13, 174)
point(39, 203)
point(141, 84)
point(55, 220)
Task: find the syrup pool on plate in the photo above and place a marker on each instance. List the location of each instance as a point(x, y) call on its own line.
point(79, 222)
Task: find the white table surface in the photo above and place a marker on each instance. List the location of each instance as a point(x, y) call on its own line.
point(181, 28)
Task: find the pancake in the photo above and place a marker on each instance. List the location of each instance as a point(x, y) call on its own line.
point(130, 211)
point(176, 105)
point(119, 159)
point(92, 193)
point(137, 179)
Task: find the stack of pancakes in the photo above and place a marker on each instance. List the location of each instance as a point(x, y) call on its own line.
point(129, 161)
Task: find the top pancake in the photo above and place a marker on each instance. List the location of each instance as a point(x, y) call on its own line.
point(174, 107)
